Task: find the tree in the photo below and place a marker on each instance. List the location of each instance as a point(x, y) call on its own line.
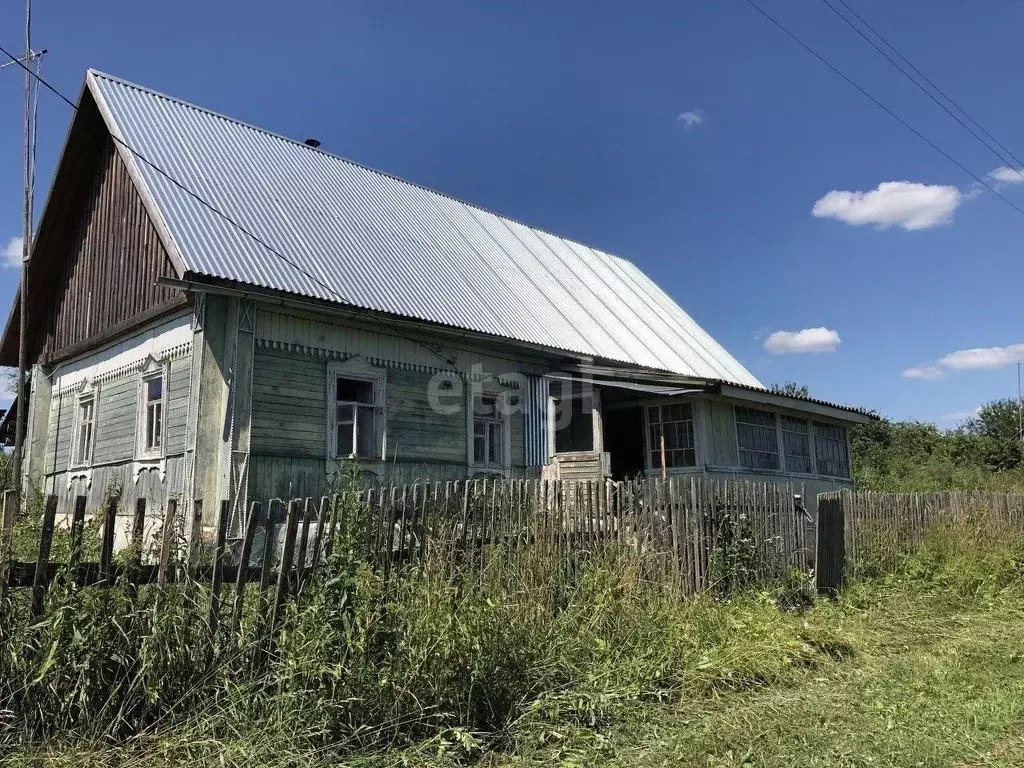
point(791, 388)
point(997, 427)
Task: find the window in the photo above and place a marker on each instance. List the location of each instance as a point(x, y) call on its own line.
point(796, 444)
point(151, 416)
point(355, 418)
point(488, 432)
point(84, 431)
point(757, 438)
point(674, 423)
point(830, 450)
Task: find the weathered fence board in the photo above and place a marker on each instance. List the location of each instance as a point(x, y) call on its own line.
point(693, 533)
point(863, 530)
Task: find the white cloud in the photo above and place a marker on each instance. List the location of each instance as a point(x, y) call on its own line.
point(12, 252)
point(1008, 175)
point(959, 416)
point(983, 357)
point(928, 372)
point(807, 340)
point(690, 118)
point(968, 360)
point(904, 204)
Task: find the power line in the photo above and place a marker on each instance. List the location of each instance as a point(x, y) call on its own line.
point(933, 85)
point(244, 230)
point(1014, 163)
point(882, 106)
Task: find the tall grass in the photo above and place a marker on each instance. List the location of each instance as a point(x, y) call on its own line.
point(456, 656)
point(462, 648)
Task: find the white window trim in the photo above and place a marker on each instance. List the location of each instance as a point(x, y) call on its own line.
point(358, 369)
point(501, 394)
point(695, 417)
point(88, 391)
point(150, 370)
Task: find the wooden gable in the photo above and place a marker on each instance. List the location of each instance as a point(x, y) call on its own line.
point(97, 257)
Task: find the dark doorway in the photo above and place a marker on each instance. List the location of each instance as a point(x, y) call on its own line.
point(576, 432)
point(624, 441)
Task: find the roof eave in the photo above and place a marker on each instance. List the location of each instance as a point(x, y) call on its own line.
point(818, 407)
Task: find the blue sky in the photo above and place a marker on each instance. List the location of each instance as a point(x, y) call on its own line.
point(695, 139)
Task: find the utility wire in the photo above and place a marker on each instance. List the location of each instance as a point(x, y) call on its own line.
point(244, 230)
point(933, 85)
point(884, 108)
point(1014, 163)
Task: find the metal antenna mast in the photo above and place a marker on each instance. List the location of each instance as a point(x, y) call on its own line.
point(31, 94)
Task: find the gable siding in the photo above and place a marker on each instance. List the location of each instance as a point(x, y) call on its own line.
point(98, 254)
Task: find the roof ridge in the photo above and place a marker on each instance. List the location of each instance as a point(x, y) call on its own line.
point(356, 163)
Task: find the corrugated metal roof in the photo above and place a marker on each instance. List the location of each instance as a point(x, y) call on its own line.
point(343, 232)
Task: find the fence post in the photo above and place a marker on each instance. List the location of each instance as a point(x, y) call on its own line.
point(138, 530)
point(40, 582)
point(831, 550)
point(217, 577)
point(195, 538)
point(167, 541)
point(77, 529)
point(242, 574)
point(10, 507)
point(287, 555)
point(107, 542)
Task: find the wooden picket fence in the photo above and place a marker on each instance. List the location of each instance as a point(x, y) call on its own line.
point(696, 533)
point(858, 530)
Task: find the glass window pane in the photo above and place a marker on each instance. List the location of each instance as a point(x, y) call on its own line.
point(154, 388)
point(345, 414)
point(354, 391)
point(157, 424)
point(479, 428)
point(486, 405)
point(479, 449)
point(365, 432)
point(345, 445)
point(494, 443)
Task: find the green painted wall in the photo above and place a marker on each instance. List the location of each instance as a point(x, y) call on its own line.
point(289, 404)
point(117, 415)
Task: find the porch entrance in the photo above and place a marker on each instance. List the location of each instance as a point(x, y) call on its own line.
point(624, 441)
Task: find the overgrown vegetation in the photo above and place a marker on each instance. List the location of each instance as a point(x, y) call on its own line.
point(984, 453)
point(516, 666)
point(449, 660)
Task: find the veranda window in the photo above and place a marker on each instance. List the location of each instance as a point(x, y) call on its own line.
point(675, 423)
point(757, 438)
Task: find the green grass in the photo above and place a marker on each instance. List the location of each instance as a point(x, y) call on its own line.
point(527, 664)
point(931, 682)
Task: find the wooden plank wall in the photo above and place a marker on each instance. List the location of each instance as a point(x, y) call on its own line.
point(289, 423)
point(98, 254)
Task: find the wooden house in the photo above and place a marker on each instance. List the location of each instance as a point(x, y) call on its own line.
point(219, 312)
